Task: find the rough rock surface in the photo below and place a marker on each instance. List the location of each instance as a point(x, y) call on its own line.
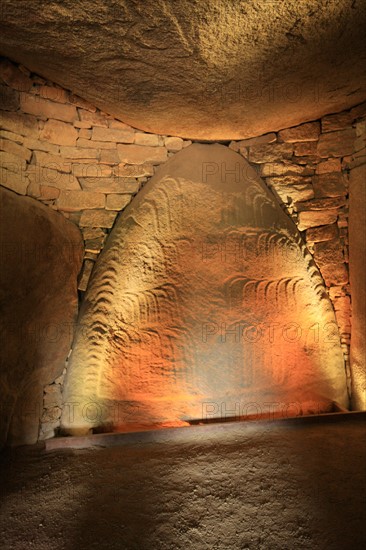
point(357, 252)
point(256, 486)
point(210, 70)
point(204, 299)
point(41, 255)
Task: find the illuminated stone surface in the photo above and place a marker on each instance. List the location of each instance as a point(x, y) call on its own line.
point(41, 256)
point(204, 300)
point(204, 70)
point(357, 252)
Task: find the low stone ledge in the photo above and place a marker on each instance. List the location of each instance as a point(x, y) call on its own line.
point(186, 433)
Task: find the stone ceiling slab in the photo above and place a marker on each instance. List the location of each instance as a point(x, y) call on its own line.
point(202, 70)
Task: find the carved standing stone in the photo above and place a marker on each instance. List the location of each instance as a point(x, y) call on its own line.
point(204, 303)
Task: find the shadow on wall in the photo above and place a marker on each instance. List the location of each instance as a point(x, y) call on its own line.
point(41, 255)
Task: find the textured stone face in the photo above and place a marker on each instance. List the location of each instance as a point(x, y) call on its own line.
point(41, 255)
point(205, 70)
point(203, 302)
point(357, 250)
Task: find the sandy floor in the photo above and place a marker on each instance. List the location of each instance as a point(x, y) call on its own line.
point(254, 486)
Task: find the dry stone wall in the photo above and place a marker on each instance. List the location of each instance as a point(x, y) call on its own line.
point(61, 150)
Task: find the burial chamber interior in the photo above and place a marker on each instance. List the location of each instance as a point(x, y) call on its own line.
point(205, 303)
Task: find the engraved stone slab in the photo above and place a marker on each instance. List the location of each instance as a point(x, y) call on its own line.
point(204, 303)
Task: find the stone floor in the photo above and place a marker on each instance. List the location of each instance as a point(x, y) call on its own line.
point(275, 485)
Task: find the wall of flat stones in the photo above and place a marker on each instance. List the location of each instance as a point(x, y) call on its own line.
point(64, 152)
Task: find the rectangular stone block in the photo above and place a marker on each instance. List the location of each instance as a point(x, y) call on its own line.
point(49, 193)
point(54, 94)
point(323, 233)
point(331, 184)
point(289, 180)
point(93, 246)
point(146, 139)
point(79, 153)
point(109, 156)
point(39, 145)
point(84, 135)
point(45, 108)
point(47, 176)
point(117, 202)
point(335, 274)
point(305, 132)
point(113, 134)
point(331, 165)
point(337, 144)
point(15, 149)
point(320, 204)
point(82, 124)
point(140, 154)
point(94, 119)
point(91, 170)
point(328, 252)
point(92, 233)
point(97, 218)
point(16, 182)
point(270, 152)
point(22, 124)
point(316, 218)
point(11, 162)
point(283, 169)
point(305, 148)
point(59, 133)
point(82, 142)
point(293, 193)
point(12, 137)
point(338, 121)
point(80, 200)
point(54, 162)
point(110, 185)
